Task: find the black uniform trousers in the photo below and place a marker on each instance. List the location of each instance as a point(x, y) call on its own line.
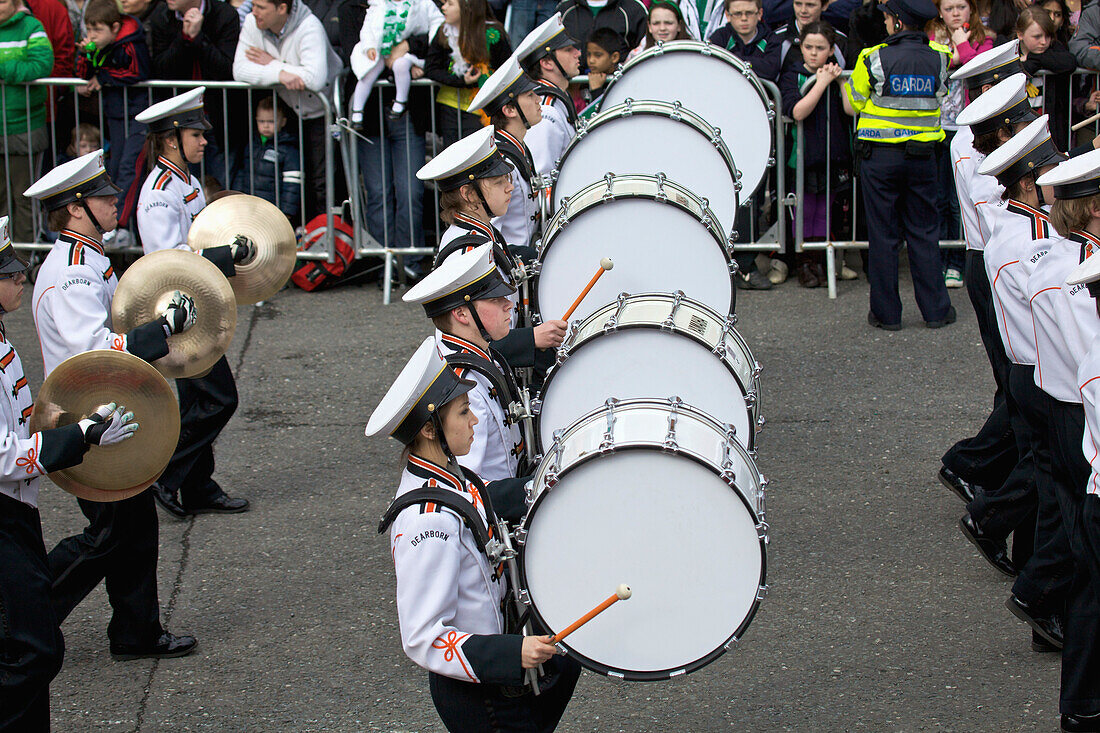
point(206, 405)
point(901, 189)
point(120, 546)
point(988, 457)
point(31, 646)
point(470, 707)
point(1080, 692)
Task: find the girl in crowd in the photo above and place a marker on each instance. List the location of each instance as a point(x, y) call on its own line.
point(1041, 51)
point(666, 23)
point(466, 49)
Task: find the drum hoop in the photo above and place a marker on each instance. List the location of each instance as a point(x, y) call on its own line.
point(663, 674)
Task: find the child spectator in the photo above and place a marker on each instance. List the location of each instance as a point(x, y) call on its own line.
point(465, 50)
point(271, 171)
point(810, 96)
point(605, 51)
point(666, 23)
point(625, 17)
point(1059, 15)
point(1040, 51)
point(789, 35)
point(386, 25)
point(86, 138)
point(112, 57)
point(959, 28)
point(999, 19)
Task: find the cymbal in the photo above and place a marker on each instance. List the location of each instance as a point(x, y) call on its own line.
point(144, 291)
point(82, 383)
point(241, 215)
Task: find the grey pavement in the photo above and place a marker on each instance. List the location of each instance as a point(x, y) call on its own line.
point(880, 616)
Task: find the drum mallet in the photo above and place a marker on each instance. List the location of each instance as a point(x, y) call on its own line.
point(605, 265)
point(1085, 122)
point(621, 594)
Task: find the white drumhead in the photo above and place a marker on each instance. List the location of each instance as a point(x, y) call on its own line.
point(715, 90)
point(642, 363)
point(655, 248)
point(649, 144)
point(682, 539)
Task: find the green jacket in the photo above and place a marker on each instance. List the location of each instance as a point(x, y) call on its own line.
point(25, 55)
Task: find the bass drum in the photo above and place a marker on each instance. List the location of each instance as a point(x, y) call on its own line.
point(675, 246)
point(712, 83)
point(651, 345)
point(623, 140)
point(659, 496)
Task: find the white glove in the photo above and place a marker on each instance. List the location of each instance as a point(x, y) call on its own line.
point(109, 424)
point(180, 313)
point(243, 250)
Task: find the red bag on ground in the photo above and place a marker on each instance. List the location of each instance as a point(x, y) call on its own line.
point(320, 274)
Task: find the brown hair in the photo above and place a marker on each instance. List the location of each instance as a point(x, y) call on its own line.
point(819, 28)
point(155, 147)
point(681, 35)
point(451, 203)
point(1070, 214)
point(936, 26)
point(758, 3)
point(84, 131)
point(58, 219)
point(102, 12)
point(987, 142)
point(1035, 14)
point(472, 41)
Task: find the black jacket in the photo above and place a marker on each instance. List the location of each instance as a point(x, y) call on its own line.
point(826, 123)
point(208, 56)
point(1059, 64)
point(437, 66)
point(762, 53)
point(628, 18)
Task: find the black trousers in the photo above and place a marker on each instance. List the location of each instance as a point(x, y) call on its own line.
point(206, 405)
point(468, 707)
point(119, 546)
point(31, 647)
point(1081, 668)
point(988, 457)
point(899, 198)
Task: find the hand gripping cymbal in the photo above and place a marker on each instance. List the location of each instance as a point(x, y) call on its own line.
point(145, 289)
point(270, 232)
point(82, 383)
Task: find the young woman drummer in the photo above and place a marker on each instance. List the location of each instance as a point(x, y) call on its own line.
point(450, 594)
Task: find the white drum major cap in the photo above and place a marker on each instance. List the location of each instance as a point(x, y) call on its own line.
point(73, 181)
point(425, 384)
point(990, 67)
point(1028, 150)
point(459, 280)
point(474, 156)
point(544, 40)
point(181, 112)
point(503, 87)
point(1076, 178)
point(10, 262)
point(1004, 104)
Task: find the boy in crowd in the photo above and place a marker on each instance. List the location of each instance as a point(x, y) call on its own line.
point(605, 51)
point(805, 12)
point(113, 56)
point(86, 138)
point(271, 161)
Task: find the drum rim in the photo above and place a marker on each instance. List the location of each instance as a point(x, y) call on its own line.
point(654, 108)
point(698, 47)
point(661, 674)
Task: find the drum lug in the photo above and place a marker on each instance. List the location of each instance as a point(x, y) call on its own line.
point(706, 50)
point(760, 422)
point(661, 197)
point(734, 267)
point(524, 597)
point(733, 319)
point(609, 182)
point(719, 350)
point(771, 162)
point(520, 537)
point(670, 322)
point(750, 398)
point(628, 107)
point(616, 675)
point(670, 443)
point(608, 443)
point(756, 369)
point(675, 115)
point(761, 592)
point(771, 118)
point(536, 407)
point(730, 644)
point(612, 323)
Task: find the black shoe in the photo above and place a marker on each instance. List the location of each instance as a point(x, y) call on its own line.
point(994, 551)
point(1049, 626)
point(169, 502)
point(167, 646)
point(223, 504)
point(947, 320)
point(962, 488)
point(393, 114)
point(1041, 645)
point(873, 320)
point(1083, 723)
point(754, 280)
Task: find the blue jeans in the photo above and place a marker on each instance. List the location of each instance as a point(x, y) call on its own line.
point(395, 196)
point(527, 15)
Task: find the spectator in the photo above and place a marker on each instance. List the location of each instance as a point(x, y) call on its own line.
point(465, 50)
point(999, 18)
point(1085, 43)
point(26, 56)
point(243, 8)
point(85, 139)
point(282, 42)
point(53, 16)
point(143, 10)
point(328, 12)
point(811, 97)
point(1041, 52)
point(114, 56)
point(271, 170)
point(666, 23)
point(779, 12)
point(76, 17)
point(1059, 14)
point(866, 28)
point(605, 52)
point(805, 12)
point(628, 18)
point(528, 15)
point(959, 28)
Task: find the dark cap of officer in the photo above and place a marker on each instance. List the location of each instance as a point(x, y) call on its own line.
point(913, 13)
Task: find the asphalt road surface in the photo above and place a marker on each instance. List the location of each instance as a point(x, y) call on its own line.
point(880, 616)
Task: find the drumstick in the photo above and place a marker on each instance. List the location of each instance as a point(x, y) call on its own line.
point(1085, 123)
point(621, 594)
point(605, 265)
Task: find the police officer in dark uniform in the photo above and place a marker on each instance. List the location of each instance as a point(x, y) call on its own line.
point(896, 89)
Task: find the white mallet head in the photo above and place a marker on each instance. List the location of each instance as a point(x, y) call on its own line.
point(623, 591)
point(606, 263)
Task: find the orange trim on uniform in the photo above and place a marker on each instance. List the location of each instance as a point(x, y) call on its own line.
point(165, 163)
point(110, 271)
point(449, 647)
point(1038, 359)
point(465, 345)
point(993, 288)
point(191, 196)
point(162, 181)
point(6, 360)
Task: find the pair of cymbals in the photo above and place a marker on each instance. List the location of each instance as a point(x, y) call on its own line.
point(82, 383)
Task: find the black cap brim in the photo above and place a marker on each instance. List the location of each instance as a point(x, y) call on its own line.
point(11, 263)
point(522, 85)
point(494, 165)
point(446, 387)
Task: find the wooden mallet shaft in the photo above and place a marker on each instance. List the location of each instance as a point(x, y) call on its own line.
point(1085, 122)
point(605, 265)
point(621, 594)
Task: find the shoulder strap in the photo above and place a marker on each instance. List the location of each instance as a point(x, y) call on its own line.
point(550, 90)
point(517, 158)
point(505, 391)
point(464, 509)
point(473, 239)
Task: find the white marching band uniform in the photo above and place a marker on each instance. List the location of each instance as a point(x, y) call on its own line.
point(169, 201)
point(1055, 365)
point(549, 138)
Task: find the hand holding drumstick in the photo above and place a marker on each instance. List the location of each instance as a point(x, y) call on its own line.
point(536, 650)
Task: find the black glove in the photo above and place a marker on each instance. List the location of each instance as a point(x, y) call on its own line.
point(243, 250)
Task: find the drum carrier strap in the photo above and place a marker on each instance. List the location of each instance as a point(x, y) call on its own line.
point(551, 90)
point(466, 511)
point(501, 379)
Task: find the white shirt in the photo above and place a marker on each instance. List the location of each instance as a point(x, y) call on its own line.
point(1056, 368)
point(1081, 325)
point(170, 200)
point(19, 448)
point(1011, 254)
point(975, 191)
point(549, 138)
point(1088, 377)
point(520, 223)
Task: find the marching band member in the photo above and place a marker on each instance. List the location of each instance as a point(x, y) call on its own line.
point(467, 299)
point(475, 185)
point(987, 458)
point(550, 56)
point(509, 98)
point(170, 199)
point(72, 313)
point(450, 594)
point(30, 633)
point(1018, 242)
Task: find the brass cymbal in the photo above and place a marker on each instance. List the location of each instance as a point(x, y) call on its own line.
point(222, 221)
point(144, 291)
point(82, 383)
